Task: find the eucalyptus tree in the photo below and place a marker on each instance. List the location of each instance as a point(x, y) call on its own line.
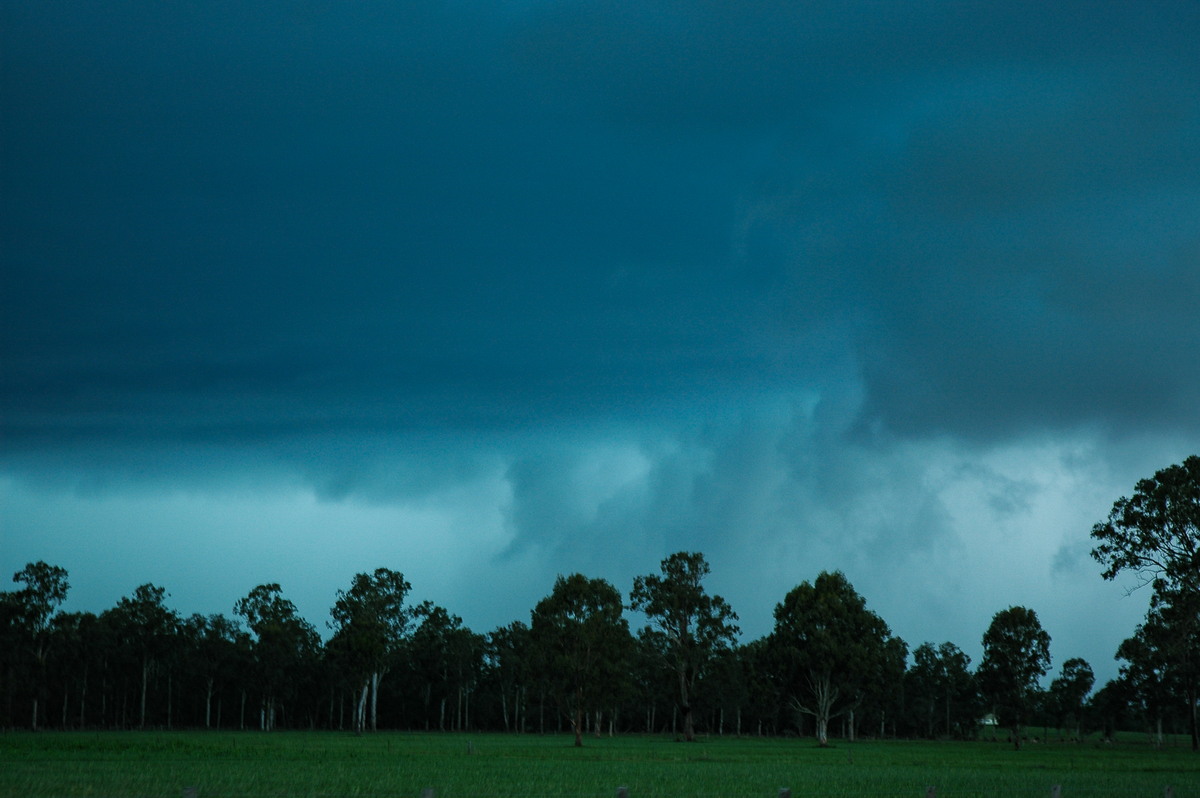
point(1162, 660)
point(220, 648)
point(35, 604)
point(75, 643)
point(940, 688)
point(1155, 534)
point(693, 627)
point(371, 621)
point(581, 642)
point(145, 621)
point(285, 644)
point(1069, 692)
point(1016, 655)
point(829, 647)
point(507, 652)
point(13, 663)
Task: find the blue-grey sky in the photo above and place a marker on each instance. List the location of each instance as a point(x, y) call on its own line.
point(488, 292)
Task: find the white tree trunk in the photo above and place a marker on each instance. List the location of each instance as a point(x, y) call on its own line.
point(376, 677)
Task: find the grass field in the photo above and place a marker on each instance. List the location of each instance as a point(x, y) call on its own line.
point(329, 764)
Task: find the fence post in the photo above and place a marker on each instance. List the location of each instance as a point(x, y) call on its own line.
point(622, 792)
point(785, 792)
point(1056, 791)
point(1168, 792)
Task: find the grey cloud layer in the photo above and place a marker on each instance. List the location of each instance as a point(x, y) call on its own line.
point(229, 222)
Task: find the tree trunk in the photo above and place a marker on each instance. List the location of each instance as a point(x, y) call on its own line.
point(825, 694)
point(83, 698)
point(145, 678)
point(685, 705)
point(360, 709)
point(208, 703)
point(376, 677)
point(1192, 715)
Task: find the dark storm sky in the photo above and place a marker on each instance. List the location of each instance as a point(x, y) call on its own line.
point(486, 292)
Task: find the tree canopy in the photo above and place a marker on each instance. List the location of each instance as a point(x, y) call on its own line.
point(1016, 654)
point(1156, 532)
point(692, 627)
point(829, 647)
point(582, 642)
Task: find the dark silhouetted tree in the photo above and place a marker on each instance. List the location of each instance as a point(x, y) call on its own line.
point(45, 590)
point(941, 689)
point(371, 621)
point(507, 652)
point(581, 643)
point(1016, 654)
point(1156, 532)
point(1156, 535)
point(829, 647)
point(693, 627)
point(1162, 659)
point(144, 621)
point(1069, 692)
point(285, 645)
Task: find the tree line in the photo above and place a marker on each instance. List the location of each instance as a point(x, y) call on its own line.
point(830, 667)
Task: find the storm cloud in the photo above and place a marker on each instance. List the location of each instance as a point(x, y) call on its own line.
point(904, 289)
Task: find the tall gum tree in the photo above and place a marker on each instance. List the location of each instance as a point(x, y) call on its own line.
point(284, 643)
point(581, 642)
point(1016, 654)
point(1155, 534)
point(146, 621)
point(45, 590)
point(371, 622)
point(828, 647)
point(692, 627)
point(1069, 691)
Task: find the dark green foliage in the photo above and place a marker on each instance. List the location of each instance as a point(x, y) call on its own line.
point(830, 650)
point(689, 627)
point(444, 660)
point(371, 621)
point(1156, 532)
point(1016, 654)
point(940, 691)
point(285, 646)
point(28, 613)
point(581, 646)
point(1068, 693)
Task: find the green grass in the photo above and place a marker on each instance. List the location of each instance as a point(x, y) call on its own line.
point(331, 765)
